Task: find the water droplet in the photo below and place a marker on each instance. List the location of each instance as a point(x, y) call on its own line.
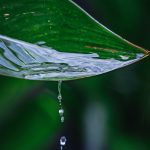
point(61, 112)
point(63, 141)
point(59, 97)
point(62, 119)
point(6, 14)
point(41, 43)
point(124, 57)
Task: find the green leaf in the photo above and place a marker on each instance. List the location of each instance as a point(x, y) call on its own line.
point(57, 40)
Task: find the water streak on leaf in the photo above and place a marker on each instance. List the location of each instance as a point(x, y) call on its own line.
point(58, 41)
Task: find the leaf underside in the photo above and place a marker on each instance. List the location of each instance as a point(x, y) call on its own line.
point(57, 40)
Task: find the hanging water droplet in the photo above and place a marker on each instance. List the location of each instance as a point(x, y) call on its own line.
point(63, 141)
point(59, 97)
point(62, 119)
point(61, 112)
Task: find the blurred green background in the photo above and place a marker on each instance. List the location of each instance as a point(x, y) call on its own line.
point(106, 112)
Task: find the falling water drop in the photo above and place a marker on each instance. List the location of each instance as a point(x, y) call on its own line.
point(61, 114)
point(63, 142)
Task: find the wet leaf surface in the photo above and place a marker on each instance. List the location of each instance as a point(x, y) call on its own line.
point(57, 40)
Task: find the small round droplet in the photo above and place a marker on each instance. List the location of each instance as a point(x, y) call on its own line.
point(63, 141)
point(62, 119)
point(61, 112)
point(59, 97)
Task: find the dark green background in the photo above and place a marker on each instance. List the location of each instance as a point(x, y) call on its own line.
point(120, 100)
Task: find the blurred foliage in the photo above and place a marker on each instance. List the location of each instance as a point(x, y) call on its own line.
point(29, 109)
